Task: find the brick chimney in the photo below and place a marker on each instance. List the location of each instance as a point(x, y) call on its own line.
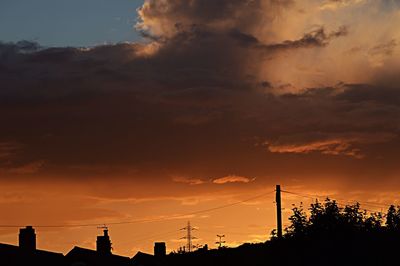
point(103, 244)
point(160, 249)
point(27, 239)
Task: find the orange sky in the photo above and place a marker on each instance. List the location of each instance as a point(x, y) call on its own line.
point(156, 218)
point(218, 102)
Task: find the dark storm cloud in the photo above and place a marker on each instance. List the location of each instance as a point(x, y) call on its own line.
point(315, 38)
point(188, 104)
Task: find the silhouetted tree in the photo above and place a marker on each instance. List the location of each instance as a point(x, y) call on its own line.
point(353, 216)
point(393, 219)
point(324, 217)
point(299, 222)
point(373, 222)
point(274, 234)
point(329, 218)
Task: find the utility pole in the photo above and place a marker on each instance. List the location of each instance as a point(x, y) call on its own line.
point(278, 211)
point(189, 238)
point(220, 242)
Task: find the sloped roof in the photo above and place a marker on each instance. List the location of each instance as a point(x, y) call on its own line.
point(144, 259)
point(93, 258)
point(13, 255)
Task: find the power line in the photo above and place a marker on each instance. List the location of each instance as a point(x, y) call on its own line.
point(301, 195)
point(313, 197)
point(152, 237)
point(143, 220)
point(227, 232)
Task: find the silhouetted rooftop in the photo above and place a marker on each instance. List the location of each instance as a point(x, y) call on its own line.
point(144, 259)
point(93, 258)
point(11, 255)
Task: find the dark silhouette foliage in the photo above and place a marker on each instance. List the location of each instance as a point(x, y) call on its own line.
point(329, 218)
point(325, 234)
point(332, 235)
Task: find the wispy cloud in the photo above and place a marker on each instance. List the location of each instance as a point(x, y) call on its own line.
point(233, 179)
point(329, 147)
point(328, 144)
point(336, 4)
point(188, 180)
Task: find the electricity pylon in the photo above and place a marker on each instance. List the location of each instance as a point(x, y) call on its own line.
point(220, 242)
point(189, 237)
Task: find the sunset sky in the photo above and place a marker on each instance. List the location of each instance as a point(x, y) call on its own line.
point(145, 112)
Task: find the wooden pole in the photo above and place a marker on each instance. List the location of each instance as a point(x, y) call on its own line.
point(278, 211)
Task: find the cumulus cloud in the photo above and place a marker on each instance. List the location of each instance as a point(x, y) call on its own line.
point(217, 88)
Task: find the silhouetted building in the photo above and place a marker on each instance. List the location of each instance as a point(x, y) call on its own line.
point(88, 257)
point(14, 256)
point(27, 239)
point(203, 248)
point(160, 249)
point(26, 253)
point(102, 256)
point(144, 259)
point(103, 243)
